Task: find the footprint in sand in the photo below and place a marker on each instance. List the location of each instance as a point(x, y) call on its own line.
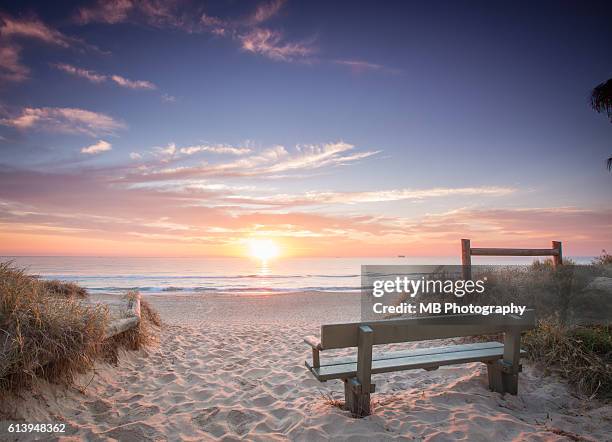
point(205, 417)
point(240, 422)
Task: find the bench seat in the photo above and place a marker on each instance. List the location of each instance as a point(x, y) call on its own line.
point(421, 358)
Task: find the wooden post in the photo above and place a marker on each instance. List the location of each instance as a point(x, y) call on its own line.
point(357, 391)
point(558, 256)
point(494, 374)
point(316, 362)
point(466, 259)
point(511, 363)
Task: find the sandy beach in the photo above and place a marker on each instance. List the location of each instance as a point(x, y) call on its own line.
point(230, 367)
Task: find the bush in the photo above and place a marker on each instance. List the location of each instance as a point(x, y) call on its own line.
point(605, 259)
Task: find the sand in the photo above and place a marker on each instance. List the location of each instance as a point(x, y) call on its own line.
point(231, 367)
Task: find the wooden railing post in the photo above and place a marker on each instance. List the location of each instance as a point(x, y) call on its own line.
point(558, 256)
point(466, 259)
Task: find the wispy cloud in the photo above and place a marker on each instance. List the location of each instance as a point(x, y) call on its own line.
point(266, 11)
point(271, 44)
point(218, 148)
point(359, 66)
point(11, 68)
point(106, 11)
point(246, 31)
point(327, 198)
point(96, 77)
point(64, 119)
point(33, 28)
point(99, 147)
point(14, 29)
point(135, 156)
point(269, 162)
point(133, 84)
point(92, 76)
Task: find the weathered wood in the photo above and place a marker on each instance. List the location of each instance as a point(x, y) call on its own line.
point(513, 252)
point(349, 370)
point(361, 405)
point(512, 356)
point(416, 352)
point(558, 257)
point(466, 259)
point(421, 329)
point(494, 375)
point(120, 326)
point(313, 342)
point(124, 324)
point(315, 358)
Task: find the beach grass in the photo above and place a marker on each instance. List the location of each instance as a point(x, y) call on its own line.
point(47, 332)
point(581, 354)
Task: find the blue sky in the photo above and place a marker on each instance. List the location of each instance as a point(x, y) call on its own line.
point(417, 123)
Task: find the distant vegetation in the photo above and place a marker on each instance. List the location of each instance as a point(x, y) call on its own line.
point(573, 303)
point(47, 332)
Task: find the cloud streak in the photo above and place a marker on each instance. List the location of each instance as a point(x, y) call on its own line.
point(269, 162)
point(270, 44)
point(96, 77)
point(99, 147)
point(65, 120)
point(13, 29)
point(133, 84)
point(340, 198)
point(92, 76)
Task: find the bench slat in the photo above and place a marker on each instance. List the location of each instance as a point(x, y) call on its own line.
point(424, 328)
point(416, 352)
point(349, 370)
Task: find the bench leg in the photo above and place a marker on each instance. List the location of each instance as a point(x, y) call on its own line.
point(503, 377)
point(348, 395)
point(510, 381)
point(494, 373)
point(355, 401)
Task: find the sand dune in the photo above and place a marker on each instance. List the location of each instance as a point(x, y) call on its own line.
point(231, 368)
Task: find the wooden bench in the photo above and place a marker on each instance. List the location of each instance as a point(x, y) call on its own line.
point(503, 360)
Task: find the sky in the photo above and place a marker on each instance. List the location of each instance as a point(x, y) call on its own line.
point(178, 128)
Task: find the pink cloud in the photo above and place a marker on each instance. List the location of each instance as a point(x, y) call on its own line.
point(11, 68)
point(10, 27)
point(67, 120)
point(133, 84)
point(92, 76)
point(265, 11)
point(108, 11)
point(270, 44)
point(99, 147)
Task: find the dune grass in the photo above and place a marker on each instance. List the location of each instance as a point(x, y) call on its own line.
point(46, 332)
point(581, 354)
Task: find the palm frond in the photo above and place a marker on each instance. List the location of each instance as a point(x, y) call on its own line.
point(601, 98)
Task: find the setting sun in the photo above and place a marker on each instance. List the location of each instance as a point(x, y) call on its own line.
point(263, 249)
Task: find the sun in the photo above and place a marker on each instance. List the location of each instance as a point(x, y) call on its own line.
point(263, 249)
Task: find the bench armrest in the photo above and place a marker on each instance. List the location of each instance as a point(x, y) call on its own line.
point(313, 342)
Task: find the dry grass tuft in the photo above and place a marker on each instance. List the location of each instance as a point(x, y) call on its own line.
point(46, 331)
point(65, 289)
point(329, 399)
point(43, 334)
point(581, 354)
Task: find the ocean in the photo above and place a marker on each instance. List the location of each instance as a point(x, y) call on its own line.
point(222, 275)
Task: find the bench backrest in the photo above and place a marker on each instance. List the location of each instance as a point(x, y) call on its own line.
point(425, 328)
